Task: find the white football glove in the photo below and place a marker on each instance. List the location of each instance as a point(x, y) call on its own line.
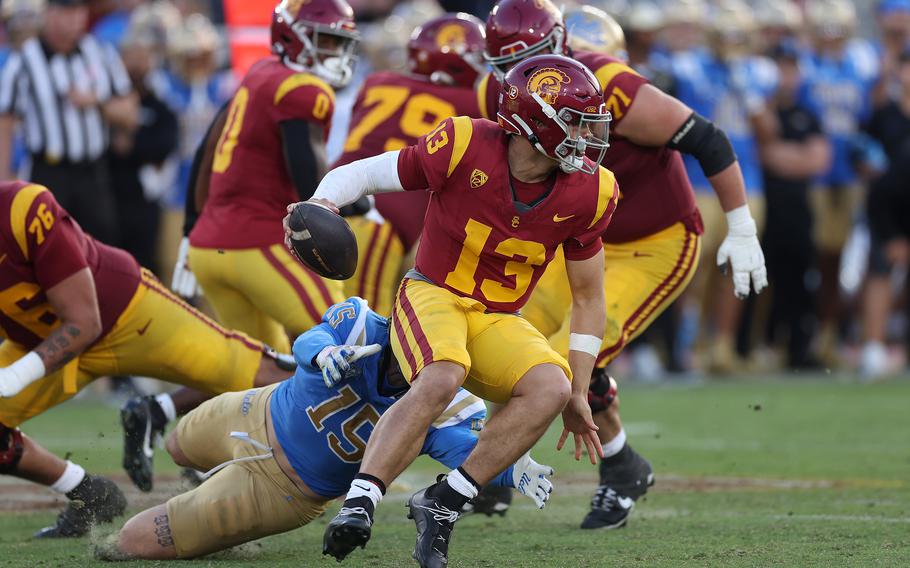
point(335, 360)
point(184, 282)
point(530, 478)
point(743, 252)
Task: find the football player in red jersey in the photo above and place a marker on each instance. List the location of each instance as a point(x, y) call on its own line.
point(651, 249)
point(271, 150)
point(445, 58)
point(503, 198)
point(72, 310)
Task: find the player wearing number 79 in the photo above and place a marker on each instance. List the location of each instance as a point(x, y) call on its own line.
point(294, 446)
point(502, 199)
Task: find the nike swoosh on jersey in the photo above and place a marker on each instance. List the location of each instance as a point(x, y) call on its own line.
point(558, 219)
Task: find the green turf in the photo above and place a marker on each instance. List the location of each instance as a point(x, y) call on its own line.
point(796, 473)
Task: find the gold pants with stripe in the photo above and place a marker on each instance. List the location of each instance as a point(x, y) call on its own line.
point(641, 279)
point(380, 254)
point(430, 324)
point(157, 335)
point(264, 292)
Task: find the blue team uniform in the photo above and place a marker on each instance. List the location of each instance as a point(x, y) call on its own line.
point(196, 106)
point(724, 93)
point(839, 92)
point(326, 451)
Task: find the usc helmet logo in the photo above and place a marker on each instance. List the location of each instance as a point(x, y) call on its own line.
point(451, 36)
point(547, 83)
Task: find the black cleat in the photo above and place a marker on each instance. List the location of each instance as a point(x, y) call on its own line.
point(140, 432)
point(624, 478)
point(434, 529)
point(349, 529)
point(492, 500)
point(95, 500)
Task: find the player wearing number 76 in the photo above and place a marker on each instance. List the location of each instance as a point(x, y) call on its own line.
point(502, 199)
point(266, 149)
point(294, 446)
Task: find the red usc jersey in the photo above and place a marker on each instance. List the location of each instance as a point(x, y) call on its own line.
point(476, 241)
point(250, 187)
point(656, 192)
point(391, 111)
point(40, 246)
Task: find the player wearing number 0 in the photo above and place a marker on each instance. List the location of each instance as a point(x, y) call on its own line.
point(271, 151)
point(282, 453)
point(72, 310)
point(651, 249)
point(445, 58)
point(502, 199)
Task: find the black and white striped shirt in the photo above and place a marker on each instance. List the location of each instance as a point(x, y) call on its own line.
point(35, 84)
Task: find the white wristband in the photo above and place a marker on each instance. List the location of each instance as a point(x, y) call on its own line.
point(589, 344)
point(740, 222)
point(26, 371)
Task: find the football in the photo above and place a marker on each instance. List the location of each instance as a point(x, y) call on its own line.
point(323, 241)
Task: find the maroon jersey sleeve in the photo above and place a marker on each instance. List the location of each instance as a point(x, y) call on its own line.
point(430, 162)
point(620, 84)
point(305, 97)
point(52, 239)
point(587, 242)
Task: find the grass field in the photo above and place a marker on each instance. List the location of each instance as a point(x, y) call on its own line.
point(761, 473)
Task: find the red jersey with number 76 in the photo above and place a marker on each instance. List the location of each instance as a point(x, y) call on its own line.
point(391, 111)
point(477, 241)
point(250, 187)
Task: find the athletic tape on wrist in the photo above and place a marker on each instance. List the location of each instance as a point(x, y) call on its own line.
point(589, 344)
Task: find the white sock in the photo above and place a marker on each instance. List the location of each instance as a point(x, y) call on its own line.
point(72, 476)
point(167, 406)
point(459, 483)
point(614, 446)
point(363, 488)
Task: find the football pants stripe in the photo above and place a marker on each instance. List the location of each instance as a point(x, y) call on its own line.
point(419, 361)
point(410, 363)
point(365, 284)
point(154, 285)
point(384, 261)
point(416, 329)
point(673, 283)
point(301, 292)
point(319, 289)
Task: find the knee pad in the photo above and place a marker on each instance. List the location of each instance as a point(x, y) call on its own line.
point(602, 391)
point(11, 448)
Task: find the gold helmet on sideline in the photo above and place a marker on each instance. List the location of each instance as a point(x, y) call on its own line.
point(592, 29)
point(831, 19)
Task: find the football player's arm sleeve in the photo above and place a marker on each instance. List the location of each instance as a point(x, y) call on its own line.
point(304, 155)
point(704, 141)
point(346, 184)
point(197, 190)
point(308, 345)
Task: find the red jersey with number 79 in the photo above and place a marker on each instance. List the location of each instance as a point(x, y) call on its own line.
point(391, 111)
point(477, 241)
point(250, 187)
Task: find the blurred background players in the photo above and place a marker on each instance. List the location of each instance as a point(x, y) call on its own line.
point(724, 82)
point(445, 58)
point(841, 72)
point(271, 152)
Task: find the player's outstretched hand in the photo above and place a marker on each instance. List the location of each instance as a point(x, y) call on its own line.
point(742, 251)
point(530, 478)
point(577, 420)
point(183, 283)
point(336, 360)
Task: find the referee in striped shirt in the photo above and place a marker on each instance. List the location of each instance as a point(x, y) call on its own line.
point(67, 89)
